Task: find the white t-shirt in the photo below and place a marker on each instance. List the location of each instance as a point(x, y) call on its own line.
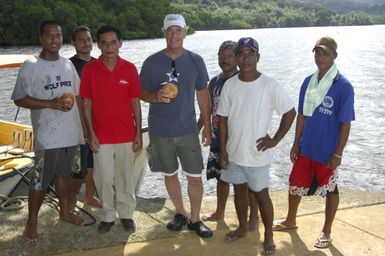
point(42, 79)
point(249, 107)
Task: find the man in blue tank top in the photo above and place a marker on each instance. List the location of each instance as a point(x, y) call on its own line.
point(82, 42)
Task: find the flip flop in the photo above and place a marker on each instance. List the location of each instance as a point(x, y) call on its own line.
point(233, 235)
point(322, 242)
point(282, 227)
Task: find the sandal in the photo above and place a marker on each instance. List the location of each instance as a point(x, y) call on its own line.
point(322, 242)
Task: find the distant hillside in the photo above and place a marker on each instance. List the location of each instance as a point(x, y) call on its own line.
point(345, 6)
point(244, 14)
point(370, 2)
point(20, 19)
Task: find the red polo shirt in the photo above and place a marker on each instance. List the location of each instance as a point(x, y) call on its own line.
point(111, 93)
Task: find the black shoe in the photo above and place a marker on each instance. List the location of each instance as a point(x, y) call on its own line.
point(177, 223)
point(128, 224)
point(104, 227)
point(200, 228)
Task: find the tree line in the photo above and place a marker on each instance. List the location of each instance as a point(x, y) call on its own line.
point(20, 19)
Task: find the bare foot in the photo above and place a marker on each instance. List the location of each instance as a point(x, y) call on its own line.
point(30, 233)
point(72, 219)
point(92, 201)
point(252, 224)
point(268, 247)
point(213, 217)
point(235, 235)
point(72, 205)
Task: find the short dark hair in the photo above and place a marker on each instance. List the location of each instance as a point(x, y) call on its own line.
point(229, 44)
point(79, 29)
point(108, 28)
point(47, 23)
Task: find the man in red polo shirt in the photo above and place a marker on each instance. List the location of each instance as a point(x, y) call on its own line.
point(110, 88)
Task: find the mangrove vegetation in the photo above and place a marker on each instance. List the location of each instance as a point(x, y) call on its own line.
point(20, 19)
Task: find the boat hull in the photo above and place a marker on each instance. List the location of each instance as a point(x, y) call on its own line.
point(10, 170)
point(15, 141)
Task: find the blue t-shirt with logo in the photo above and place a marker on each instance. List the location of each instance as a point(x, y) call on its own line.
point(177, 118)
point(320, 134)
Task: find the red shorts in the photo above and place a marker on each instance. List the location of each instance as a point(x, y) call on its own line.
point(310, 177)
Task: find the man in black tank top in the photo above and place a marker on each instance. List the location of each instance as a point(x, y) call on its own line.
point(82, 41)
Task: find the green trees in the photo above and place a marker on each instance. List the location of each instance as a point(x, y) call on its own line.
point(19, 19)
point(241, 14)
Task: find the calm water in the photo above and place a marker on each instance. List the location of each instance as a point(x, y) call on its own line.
point(285, 55)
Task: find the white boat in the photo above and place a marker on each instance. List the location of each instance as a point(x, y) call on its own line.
point(12, 60)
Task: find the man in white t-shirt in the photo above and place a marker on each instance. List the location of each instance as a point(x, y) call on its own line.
point(246, 106)
point(47, 84)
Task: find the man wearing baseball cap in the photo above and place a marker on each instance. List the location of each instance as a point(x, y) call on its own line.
point(172, 122)
point(227, 61)
point(246, 106)
point(325, 110)
point(326, 43)
point(174, 20)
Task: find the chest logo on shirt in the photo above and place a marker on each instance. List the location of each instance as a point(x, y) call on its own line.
point(327, 104)
point(123, 82)
point(57, 84)
point(173, 76)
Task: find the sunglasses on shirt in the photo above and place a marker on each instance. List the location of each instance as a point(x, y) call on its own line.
point(173, 69)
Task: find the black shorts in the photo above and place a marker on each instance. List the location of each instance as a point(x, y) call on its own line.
point(50, 163)
point(86, 161)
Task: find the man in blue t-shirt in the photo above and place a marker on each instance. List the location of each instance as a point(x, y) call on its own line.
point(172, 120)
point(326, 108)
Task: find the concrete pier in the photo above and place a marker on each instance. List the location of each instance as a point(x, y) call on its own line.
point(357, 230)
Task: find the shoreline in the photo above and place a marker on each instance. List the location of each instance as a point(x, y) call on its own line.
point(151, 235)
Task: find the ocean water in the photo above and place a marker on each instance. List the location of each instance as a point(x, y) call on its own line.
point(286, 55)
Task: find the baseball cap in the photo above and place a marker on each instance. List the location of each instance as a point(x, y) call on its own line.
point(174, 20)
point(248, 42)
point(229, 44)
point(326, 43)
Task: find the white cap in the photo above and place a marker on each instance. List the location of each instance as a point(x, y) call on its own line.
point(174, 20)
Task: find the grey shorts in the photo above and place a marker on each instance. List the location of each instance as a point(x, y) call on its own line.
point(163, 155)
point(50, 163)
point(257, 178)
